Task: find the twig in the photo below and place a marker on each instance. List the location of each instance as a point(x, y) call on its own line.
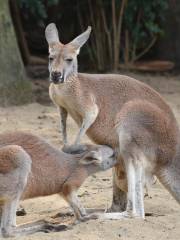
point(107, 31)
point(114, 32)
point(94, 25)
point(126, 57)
point(145, 50)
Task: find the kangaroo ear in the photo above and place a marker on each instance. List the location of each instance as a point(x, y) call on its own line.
point(79, 41)
point(51, 33)
point(91, 157)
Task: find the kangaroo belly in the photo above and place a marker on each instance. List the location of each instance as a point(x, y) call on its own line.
point(103, 131)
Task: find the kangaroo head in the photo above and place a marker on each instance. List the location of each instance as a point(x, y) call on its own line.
point(99, 158)
point(63, 57)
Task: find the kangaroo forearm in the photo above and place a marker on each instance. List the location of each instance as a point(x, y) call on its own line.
point(76, 205)
point(64, 114)
point(89, 119)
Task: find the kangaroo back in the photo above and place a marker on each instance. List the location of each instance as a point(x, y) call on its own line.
point(45, 177)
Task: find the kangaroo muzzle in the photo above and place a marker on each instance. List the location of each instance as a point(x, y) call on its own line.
point(57, 77)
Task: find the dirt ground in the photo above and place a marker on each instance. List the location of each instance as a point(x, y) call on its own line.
point(164, 222)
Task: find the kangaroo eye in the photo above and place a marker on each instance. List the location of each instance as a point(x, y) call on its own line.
point(69, 60)
point(51, 59)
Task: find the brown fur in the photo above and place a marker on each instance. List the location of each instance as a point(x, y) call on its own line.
point(15, 165)
point(147, 127)
point(81, 92)
point(110, 93)
point(9, 158)
point(152, 129)
point(52, 171)
point(51, 168)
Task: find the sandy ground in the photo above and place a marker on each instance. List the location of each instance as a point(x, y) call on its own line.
point(97, 190)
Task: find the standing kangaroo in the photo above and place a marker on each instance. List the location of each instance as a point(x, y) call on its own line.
point(146, 131)
point(52, 171)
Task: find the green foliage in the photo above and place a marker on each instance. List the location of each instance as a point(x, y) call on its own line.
point(38, 8)
point(115, 38)
point(143, 20)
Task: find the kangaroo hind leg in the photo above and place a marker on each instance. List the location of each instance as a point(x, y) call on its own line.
point(134, 171)
point(133, 159)
point(135, 201)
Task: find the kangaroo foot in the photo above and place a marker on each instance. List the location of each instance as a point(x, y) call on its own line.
point(47, 228)
point(85, 218)
point(6, 233)
point(39, 226)
point(117, 216)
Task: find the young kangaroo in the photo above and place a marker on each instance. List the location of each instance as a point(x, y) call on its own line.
point(52, 171)
point(149, 144)
point(94, 100)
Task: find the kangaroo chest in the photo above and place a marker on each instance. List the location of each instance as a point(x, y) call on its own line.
point(65, 100)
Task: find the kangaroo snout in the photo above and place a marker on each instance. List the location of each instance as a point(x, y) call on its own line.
point(109, 163)
point(56, 77)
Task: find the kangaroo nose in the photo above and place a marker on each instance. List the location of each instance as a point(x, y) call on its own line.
point(56, 77)
point(56, 74)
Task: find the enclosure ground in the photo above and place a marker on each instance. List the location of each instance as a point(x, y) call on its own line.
point(43, 120)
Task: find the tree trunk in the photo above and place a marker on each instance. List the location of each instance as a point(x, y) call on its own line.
point(14, 86)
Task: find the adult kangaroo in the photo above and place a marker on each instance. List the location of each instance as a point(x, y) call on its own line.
point(95, 101)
